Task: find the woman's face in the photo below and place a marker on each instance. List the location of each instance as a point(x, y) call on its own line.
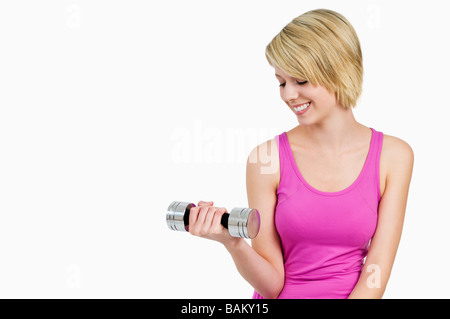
point(311, 104)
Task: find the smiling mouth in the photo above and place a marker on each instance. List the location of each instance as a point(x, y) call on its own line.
point(302, 107)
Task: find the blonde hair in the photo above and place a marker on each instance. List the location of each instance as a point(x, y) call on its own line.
point(322, 47)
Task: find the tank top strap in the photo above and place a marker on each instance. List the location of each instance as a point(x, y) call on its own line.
point(374, 146)
point(289, 182)
point(373, 160)
point(282, 151)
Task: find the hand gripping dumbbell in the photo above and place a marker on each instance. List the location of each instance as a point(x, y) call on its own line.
point(241, 222)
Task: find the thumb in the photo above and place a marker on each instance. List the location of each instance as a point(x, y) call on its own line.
point(203, 203)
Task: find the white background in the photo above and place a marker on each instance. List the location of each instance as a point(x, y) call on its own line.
point(110, 110)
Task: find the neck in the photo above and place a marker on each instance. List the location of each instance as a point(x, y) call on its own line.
point(335, 134)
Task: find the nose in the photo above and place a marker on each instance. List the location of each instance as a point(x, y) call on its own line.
point(290, 94)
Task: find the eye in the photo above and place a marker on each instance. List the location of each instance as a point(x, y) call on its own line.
point(298, 82)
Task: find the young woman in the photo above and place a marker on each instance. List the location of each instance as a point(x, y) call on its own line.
point(332, 209)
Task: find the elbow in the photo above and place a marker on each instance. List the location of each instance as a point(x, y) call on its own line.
point(274, 290)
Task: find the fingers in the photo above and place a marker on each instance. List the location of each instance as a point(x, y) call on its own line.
point(216, 225)
point(197, 218)
point(205, 220)
point(194, 212)
point(207, 224)
point(203, 203)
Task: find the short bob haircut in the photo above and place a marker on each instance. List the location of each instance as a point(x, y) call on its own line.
point(321, 47)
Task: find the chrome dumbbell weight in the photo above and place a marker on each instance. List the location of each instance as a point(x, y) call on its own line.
point(240, 222)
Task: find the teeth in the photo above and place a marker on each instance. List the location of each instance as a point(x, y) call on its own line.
point(301, 108)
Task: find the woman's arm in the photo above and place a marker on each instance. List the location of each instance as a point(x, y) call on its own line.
point(262, 263)
point(398, 158)
point(267, 275)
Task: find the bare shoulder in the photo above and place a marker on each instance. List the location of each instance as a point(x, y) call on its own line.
point(397, 160)
point(396, 150)
point(264, 162)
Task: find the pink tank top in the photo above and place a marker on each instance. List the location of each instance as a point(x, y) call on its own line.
point(325, 235)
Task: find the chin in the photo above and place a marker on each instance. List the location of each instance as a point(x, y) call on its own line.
point(305, 122)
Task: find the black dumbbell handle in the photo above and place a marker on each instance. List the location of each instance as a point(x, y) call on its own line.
point(223, 221)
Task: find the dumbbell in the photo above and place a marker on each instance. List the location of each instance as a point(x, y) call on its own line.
point(240, 222)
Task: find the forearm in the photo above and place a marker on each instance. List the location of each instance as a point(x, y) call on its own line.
point(255, 269)
point(372, 282)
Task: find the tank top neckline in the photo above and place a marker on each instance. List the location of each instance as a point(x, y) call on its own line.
point(343, 191)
